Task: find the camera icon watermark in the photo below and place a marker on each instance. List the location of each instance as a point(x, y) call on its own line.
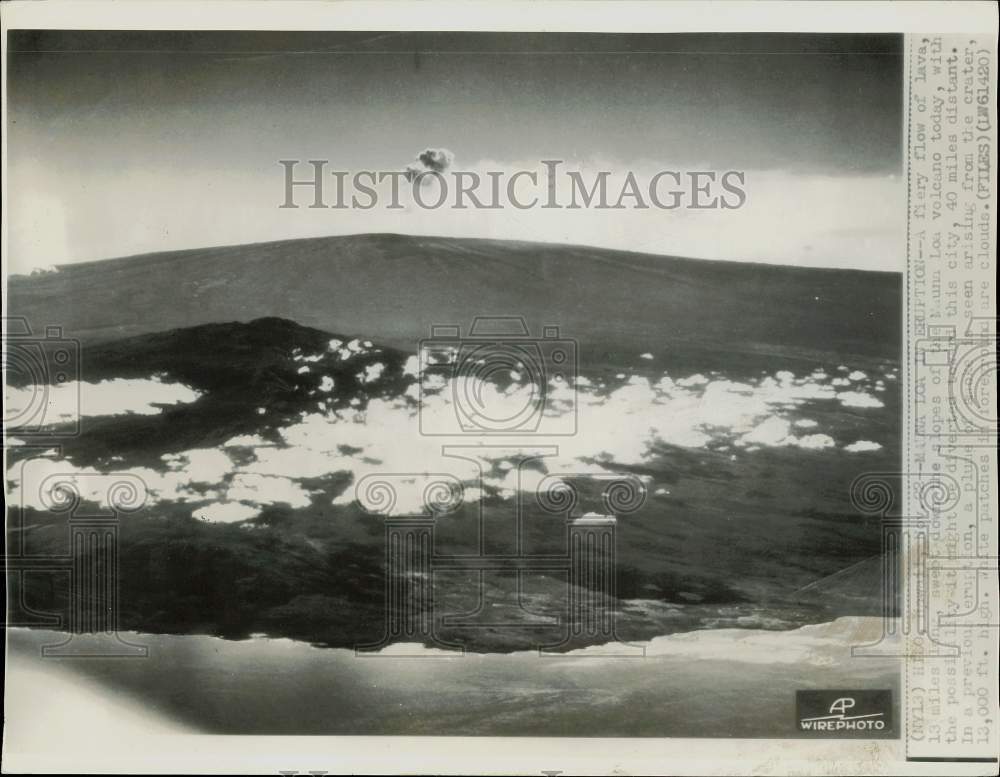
point(42, 389)
point(956, 380)
point(498, 380)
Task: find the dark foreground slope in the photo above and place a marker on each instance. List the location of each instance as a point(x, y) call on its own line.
point(767, 539)
point(394, 287)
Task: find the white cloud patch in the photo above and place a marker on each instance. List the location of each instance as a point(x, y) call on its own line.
point(246, 441)
point(813, 441)
point(200, 465)
point(862, 446)
point(225, 512)
point(412, 367)
point(372, 373)
point(858, 399)
point(776, 432)
point(66, 402)
point(267, 490)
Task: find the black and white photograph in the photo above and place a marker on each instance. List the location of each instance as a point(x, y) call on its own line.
point(440, 383)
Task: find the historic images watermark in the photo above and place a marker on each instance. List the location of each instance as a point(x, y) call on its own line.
point(431, 184)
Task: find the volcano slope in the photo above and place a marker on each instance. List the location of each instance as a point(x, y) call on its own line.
point(393, 288)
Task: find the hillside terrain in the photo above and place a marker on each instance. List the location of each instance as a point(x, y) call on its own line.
point(393, 288)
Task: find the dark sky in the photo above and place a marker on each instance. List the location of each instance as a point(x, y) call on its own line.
point(735, 101)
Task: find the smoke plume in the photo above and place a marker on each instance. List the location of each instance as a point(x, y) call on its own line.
point(431, 160)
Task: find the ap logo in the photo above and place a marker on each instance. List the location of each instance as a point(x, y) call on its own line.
point(842, 705)
point(836, 713)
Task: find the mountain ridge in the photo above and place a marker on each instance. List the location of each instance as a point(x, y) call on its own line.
point(396, 287)
point(410, 236)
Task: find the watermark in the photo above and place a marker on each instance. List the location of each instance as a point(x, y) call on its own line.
point(90, 505)
point(956, 380)
point(41, 374)
point(499, 379)
point(912, 625)
point(845, 713)
point(432, 184)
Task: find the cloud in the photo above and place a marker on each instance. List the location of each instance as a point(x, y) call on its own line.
point(430, 160)
point(862, 446)
point(27, 406)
